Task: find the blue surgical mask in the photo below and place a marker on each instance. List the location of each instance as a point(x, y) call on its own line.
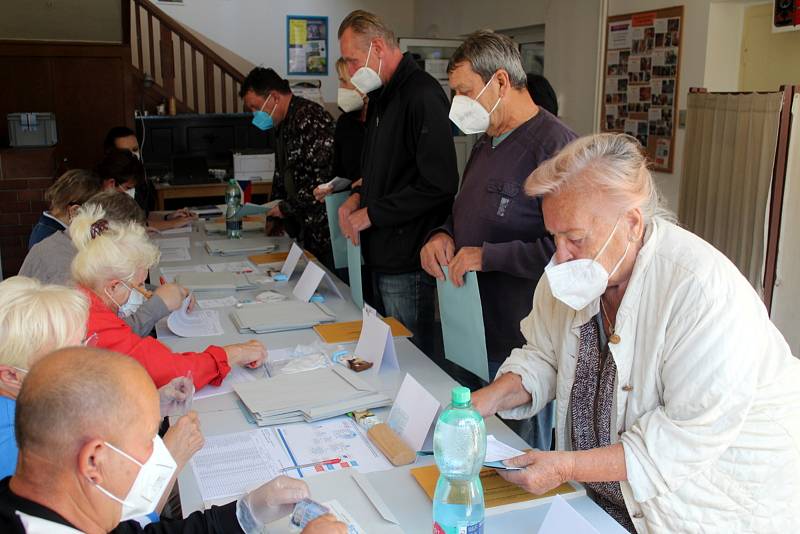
point(263, 120)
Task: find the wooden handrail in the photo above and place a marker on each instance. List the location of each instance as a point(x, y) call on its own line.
point(176, 27)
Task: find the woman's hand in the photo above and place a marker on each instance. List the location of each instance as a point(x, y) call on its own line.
point(542, 471)
point(250, 354)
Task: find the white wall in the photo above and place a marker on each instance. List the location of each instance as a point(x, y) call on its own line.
point(256, 29)
point(571, 36)
point(724, 45)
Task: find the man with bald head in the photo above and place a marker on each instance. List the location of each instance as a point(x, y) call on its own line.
point(90, 457)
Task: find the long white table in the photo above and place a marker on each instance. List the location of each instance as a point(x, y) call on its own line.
point(398, 489)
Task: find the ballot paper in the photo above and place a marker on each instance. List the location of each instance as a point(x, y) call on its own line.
point(197, 323)
point(237, 375)
point(169, 273)
point(376, 344)
point(255, 209)
point(230, 465)
point(224, 302)
point(173, 242)
point(291, 260)
point(462, 324)
point(175, 254)
point(413, 413)
point(187, 229)
point(233, 267)
point(497, 451)
point(561, 517)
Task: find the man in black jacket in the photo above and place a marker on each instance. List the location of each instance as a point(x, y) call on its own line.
point(409, 170)
point(89, 455)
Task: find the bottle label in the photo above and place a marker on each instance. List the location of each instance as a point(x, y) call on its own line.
point(460, 528)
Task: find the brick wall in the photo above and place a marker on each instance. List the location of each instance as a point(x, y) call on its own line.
point(25, 173)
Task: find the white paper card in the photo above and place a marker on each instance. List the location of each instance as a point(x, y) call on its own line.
point(198, 323)
point(291, 260)
point(561, 517)
point(309, 281)
point(376, 344)
point(413, 412)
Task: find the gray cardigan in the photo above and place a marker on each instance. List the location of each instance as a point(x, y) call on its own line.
point(49, 262)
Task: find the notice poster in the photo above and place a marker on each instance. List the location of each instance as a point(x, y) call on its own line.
point(307, 45)
point(642, 71)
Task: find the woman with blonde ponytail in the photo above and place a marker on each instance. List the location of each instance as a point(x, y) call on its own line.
point(111, 263)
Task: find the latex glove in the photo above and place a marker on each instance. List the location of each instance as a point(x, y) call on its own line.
point(265, 504)
point(176, 397)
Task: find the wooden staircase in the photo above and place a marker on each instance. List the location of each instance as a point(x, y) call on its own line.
point(177, 63)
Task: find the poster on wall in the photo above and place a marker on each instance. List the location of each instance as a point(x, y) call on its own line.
point(307, 45)
point(642, 73)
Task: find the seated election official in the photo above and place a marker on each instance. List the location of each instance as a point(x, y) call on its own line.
point(678, 401)
point(36, 319)
point(49, 262)
point(91, 459)
point(65, 196)
point(112, 261)
point(123, 138)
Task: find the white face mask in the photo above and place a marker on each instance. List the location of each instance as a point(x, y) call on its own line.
point(349, 100)
point(469, 115)
point(365, 79)
point(150, 484)
point(131, 192)
point(577, 283)
point(135, 300)
point(120, 307)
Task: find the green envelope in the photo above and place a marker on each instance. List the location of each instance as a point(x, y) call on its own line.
point(354, 262)
point(462, 324)
point(338, 241)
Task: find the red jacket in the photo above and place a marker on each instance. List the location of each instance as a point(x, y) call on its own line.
point(208, 367)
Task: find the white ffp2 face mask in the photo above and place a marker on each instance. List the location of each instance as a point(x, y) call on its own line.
point(469, 115)
point(150, 484)
point(349, 100)
point(577, 283)
point(132, 304)
point(365, 79)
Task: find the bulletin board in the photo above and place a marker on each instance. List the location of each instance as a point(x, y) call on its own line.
point(306, 45)
point(641, 74)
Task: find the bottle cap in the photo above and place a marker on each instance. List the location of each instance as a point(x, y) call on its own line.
point(461, 395)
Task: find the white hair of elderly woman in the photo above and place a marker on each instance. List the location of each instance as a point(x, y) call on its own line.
point(36, 318)
point(108, 250)
point(612, 163)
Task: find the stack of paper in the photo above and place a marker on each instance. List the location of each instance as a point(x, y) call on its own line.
point(233, 247)
point(309, 396)
point(247, 226)
point(214, 281)
point(268, 317)
point(174, 249)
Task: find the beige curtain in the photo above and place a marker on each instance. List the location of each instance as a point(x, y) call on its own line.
point(728, 157)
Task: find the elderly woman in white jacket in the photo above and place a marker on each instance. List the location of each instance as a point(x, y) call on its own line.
point(678, 400)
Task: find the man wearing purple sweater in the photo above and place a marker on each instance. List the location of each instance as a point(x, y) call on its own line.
point(494, 228)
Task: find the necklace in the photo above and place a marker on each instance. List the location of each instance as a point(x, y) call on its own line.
point(613, 338)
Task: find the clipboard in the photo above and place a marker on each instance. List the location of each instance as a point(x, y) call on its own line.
point(348, 332)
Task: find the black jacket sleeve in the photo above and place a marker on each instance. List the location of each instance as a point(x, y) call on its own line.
point(216, 520)
point(436, 180)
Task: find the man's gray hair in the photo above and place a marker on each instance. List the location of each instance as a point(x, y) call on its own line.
point(487, 52)
point(369, 25)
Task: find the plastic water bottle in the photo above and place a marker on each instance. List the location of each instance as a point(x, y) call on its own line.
point(459, 447)
point(233, 201)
